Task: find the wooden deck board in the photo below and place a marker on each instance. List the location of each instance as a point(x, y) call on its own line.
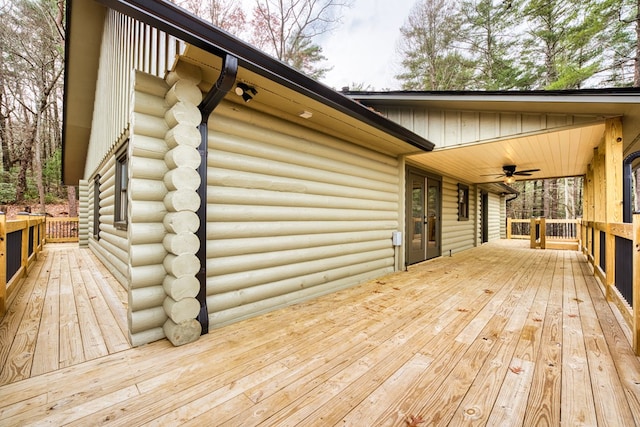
point(487, 337)
point(53, 322)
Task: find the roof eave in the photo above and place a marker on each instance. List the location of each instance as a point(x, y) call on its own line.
point(191, 29)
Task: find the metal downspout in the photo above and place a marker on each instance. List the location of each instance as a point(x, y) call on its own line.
point(215, 95)
point(627, 178)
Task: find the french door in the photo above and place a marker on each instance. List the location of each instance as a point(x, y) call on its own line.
point(424, 200)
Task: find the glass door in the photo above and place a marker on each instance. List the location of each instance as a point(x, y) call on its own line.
point(415, 219)
point(433, 218)
point(424, 200)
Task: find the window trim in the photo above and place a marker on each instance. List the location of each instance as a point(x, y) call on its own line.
point(96, 207)
point(463, 202)
point(121, 202)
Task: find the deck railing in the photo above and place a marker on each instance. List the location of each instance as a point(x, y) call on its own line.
point(546, 233)
point(20, 242)
point(614, 251)
point(62, 230)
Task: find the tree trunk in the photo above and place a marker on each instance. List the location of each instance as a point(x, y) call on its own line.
point(73, 203)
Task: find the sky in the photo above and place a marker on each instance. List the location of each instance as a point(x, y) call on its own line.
point(363, 49)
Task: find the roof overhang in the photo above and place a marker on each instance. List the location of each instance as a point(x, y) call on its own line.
point(559, 152)
point(85, 21)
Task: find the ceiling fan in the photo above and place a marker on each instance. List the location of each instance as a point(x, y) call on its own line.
point(509, 173)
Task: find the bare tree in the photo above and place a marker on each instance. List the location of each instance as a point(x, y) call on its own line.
point(287, 29)
point(31, 38)
point(225, 14)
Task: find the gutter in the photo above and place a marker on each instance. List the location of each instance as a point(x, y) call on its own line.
point(212, 99)
point(179, 23)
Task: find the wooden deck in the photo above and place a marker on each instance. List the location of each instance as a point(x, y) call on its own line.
point(500, 335)
point(52, 322)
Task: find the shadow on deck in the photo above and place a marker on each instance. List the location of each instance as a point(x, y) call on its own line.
point(497, 335)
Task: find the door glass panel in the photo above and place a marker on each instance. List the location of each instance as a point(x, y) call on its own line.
point(417, 209)
point(433, 219)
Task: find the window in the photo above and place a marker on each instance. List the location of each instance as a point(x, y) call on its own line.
point(463, 202)
point(122, 186)
point(96, 207)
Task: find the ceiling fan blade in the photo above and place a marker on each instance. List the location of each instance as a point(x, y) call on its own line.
point(493, 174)
point(525, 172)
point(522, 174)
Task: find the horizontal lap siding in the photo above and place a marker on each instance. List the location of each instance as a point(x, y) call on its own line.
point(292, 217)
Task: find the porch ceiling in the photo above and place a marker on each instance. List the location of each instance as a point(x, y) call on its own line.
point(557, 153)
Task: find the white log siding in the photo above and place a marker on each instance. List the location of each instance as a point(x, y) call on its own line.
point(448, 128)
point(112, 247)
point(83, 212)
point(147, 170)
point(503, 216)
point(182, 181)
point(496, 216)
point(457, 235)
point(292, 214)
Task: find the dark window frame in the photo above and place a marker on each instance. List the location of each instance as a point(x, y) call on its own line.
point(463, 202)
point(121, 217)
point(96, 207)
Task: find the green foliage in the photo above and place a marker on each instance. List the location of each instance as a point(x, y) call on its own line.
point(7, 193)
point(519, 44)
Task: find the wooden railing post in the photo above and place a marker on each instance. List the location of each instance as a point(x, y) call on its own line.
point(610, 261)
point(24, 250)
point(509, 225)
point(532, 233)
point(636, 284)
point(3, 263)
point(543, 233)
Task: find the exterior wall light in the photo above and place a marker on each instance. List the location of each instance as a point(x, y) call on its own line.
point(245, 91)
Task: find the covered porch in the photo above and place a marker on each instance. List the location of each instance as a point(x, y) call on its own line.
point(499, 335)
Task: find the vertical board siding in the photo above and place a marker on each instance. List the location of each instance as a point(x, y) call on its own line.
point(457, 235)
point(292, 214)
point(127, 45)
point(447, 128)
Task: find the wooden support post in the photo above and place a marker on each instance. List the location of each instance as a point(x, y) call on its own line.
point(612, 187)
point(509, 225)
point(3, 264)
point(532, 233)
point(636, 284)
point(543, 233)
